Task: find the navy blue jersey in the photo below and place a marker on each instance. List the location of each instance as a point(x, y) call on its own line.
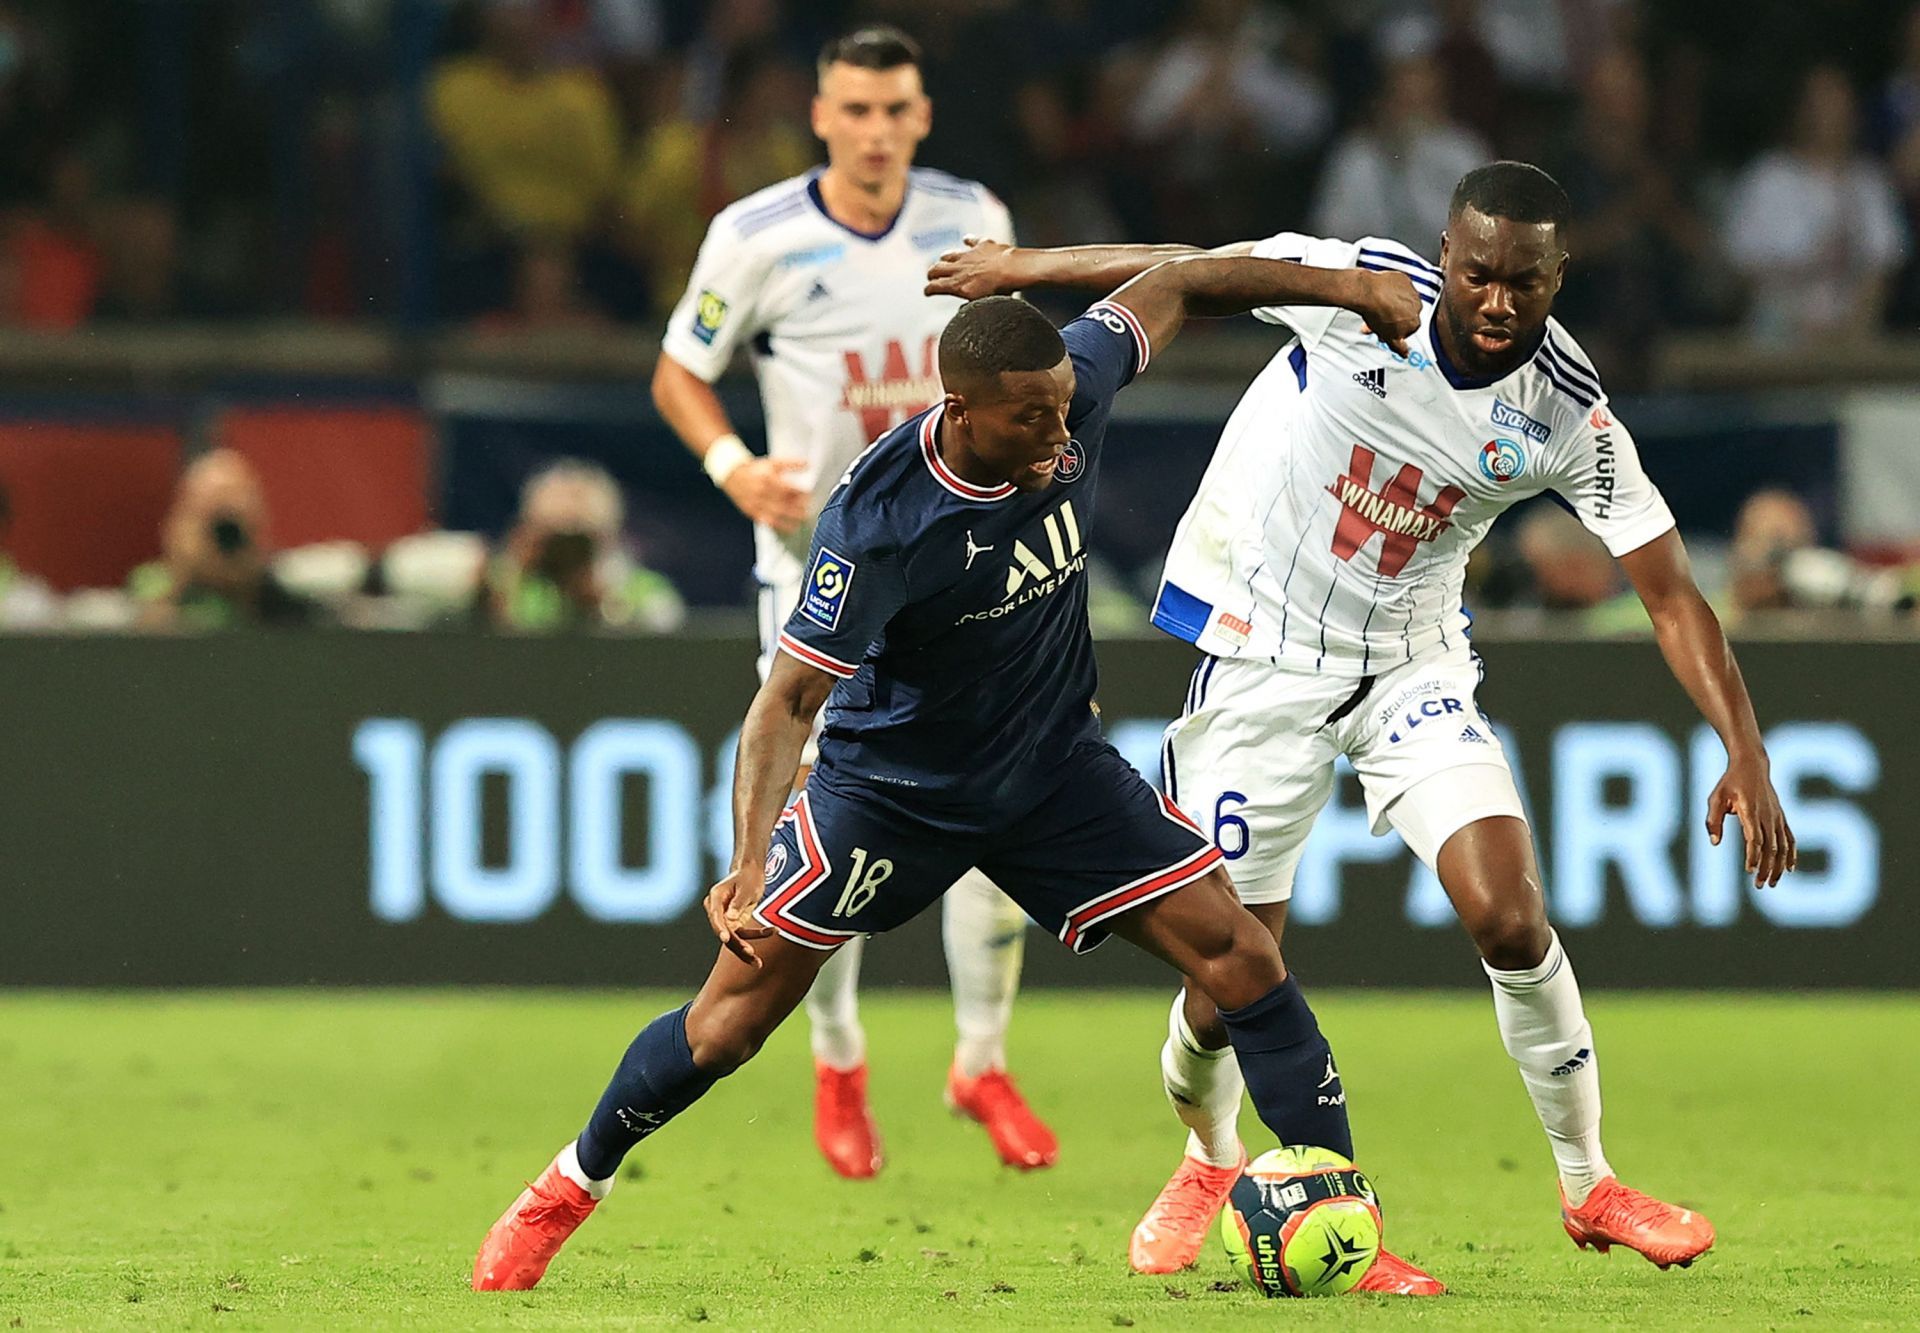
point(956, 614)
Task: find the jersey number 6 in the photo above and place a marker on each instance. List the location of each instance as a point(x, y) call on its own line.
point(1224, 821)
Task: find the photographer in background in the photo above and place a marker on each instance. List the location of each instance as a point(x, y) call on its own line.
point(213, 568)
point(1777, 564)
point(562, 567)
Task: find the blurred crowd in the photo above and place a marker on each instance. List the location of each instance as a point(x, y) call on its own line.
point(554, 162)
point(1751, 165)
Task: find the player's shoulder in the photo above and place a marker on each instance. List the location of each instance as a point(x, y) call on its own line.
point(1383, 254)
point(889, 491)
point(939, 184)
point(766, 211)
point(1564, 375)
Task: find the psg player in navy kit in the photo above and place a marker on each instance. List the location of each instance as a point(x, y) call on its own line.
point(943, 623)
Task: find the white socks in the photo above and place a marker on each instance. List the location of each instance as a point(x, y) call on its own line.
point(985, 941)
point(986, 937)
point(833, 1007)
point(569, 1163)
point(1545, 1030)
point(1205, 1088)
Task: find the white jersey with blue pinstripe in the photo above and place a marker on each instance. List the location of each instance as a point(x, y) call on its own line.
point(1333, 526)
point(841, 335)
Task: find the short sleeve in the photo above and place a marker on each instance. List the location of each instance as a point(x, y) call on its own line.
point(856, 581)
point(1310, 322)
point(1601, 477)
point(1108, 346)
point(996, 223)
point(718, 309)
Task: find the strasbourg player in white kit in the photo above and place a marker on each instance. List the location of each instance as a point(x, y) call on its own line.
point(1320, 568)
point(819, 277)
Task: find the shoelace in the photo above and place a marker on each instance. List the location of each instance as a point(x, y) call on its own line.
point(546, 1208)
point(1187, 1207)
point(1629, 1208)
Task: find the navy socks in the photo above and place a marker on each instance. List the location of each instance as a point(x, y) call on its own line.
point(656, 1080)
point(1289, 1070)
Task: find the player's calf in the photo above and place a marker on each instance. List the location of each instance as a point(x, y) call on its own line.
point(1235, 961)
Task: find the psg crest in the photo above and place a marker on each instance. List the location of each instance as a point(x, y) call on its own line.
point(1072, 463)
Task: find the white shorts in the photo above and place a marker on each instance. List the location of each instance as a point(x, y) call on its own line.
point(1251, 760)
point(777, 601)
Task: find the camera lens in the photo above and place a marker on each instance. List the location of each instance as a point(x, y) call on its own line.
point(230, 536)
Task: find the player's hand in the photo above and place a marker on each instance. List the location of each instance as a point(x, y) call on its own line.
point(1746, 792)
point(983, 268)
point(763, 489)
point(730, 905)
point(1389, 304)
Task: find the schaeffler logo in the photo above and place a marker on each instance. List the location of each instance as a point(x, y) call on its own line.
point(885, 402)
point(1395, 512)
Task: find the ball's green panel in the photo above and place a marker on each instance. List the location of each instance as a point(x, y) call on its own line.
point(1330, 1246)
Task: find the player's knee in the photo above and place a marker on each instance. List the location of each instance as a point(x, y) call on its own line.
point(722, 1037)
point(1511, 936)
point(1245, 966)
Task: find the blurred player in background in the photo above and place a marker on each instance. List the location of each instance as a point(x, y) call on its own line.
point(1319, 567)
point(820, 277)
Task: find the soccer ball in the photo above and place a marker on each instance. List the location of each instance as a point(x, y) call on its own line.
point(1302, 1222)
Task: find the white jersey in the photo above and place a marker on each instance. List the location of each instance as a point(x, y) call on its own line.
point(842, 340)
point(1332, 528)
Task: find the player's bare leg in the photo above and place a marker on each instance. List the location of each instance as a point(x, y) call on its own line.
point(668, 1067)
point(1202, 1079)
point(1489, 871)
point(985, 936)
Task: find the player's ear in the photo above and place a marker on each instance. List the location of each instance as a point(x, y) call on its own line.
point(817, 117)
point(1443, 247)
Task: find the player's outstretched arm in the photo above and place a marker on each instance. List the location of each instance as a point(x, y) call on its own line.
point(994, 268)
point(1701, 659)
point(1170, 293)
point(761, 488)
point(772, 740)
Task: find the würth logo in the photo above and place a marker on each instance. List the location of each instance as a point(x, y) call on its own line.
point(1395, 512)
point(1373, 381)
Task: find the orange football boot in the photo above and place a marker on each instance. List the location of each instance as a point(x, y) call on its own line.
point(516, 1252)
point(843, 1127)
point(1393, 1276)
point(1020, 1137)
point(1615, 1215)
point(1169, 1237)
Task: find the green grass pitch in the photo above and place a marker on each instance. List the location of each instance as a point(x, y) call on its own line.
point(331, 1160)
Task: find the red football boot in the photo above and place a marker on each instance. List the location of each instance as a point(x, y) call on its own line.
point(1019, 1136)
point(843, 1127)
point(1393, 1276)
point(1169, 1237)
point(515, 1254)
point(1615, 1215)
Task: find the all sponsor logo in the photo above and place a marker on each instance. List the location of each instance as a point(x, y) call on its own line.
point(899, 390)
point(1599, 419)
point(709, 313)
point(826, 592)
point(1507, 417)
point(1501, 460)
point(1030, 574)
point(1393, 513)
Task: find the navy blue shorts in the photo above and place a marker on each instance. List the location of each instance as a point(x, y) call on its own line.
point(1105, 841)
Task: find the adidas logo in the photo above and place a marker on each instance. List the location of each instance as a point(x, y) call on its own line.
point(1473, 734)
point(1579, 1062)
point(1373, 381)
point(818, 290)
